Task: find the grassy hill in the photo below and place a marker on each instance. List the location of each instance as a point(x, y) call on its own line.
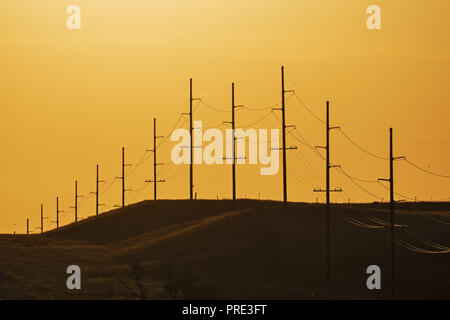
point(205, 249)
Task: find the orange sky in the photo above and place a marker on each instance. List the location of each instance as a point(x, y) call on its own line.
point(72, 99)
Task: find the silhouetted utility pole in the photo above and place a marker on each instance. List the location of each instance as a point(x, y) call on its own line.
point(392, 207)
point(42, 218)
point(57, 212)
point(233, 108)
point(155, 163)
point(28, 226)
point(76, 200)
point(191, 172)
point(327, 191)
point(283, 114)
point(123, 177)
point(97, 183)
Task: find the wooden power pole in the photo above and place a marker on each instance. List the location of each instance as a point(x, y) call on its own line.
point(327, 191)
point(123, 177)
point(392, 209)
point(191, 146)
point(42, 218)
point(76, 200)
point(155, 163)
point(283, 115)
point(57, 212)
point(97, 184)
point(233, 138)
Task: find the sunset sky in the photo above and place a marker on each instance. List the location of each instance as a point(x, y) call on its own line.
point(70, 99)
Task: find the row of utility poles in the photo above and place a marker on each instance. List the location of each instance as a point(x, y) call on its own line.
point(328, 166)
point(191, 146)
point(98, 181)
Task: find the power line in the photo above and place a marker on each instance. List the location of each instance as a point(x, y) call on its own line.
point(354, 221)
point(361, 148)
point(411, 247)
point(437, 220)
point(213, 108)
point(305, 142)
point(356, 124)
point(298, 176)
point(420, 141)
point(334, 110)
point(359, 179)
point(175, 126)
point(358, 185)
point(257, 121)
point(133, 167)
point(260, 108)
point(398, 194)
point(109, 185)
point(413, 233)
point(308, 166)
point(308, 109)
point(427, 171)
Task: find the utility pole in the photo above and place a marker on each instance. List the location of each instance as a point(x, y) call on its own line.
point(76, 200)
point(283, 114)
point(327, 191)
point(42, 218)
point(191, 168)
point(57, 212)
point(123, 177)
point(234, 145)
point(155, 164)
point(97, 182)
point(28, 226)
point(191, 173)
point(392, 209)
point(233, 123)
